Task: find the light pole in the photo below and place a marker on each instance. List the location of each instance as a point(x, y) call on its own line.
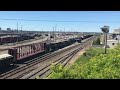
point(105, 31)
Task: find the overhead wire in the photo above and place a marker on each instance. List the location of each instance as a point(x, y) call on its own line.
point(59, 20)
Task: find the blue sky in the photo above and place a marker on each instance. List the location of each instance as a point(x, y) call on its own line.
point(94, 20)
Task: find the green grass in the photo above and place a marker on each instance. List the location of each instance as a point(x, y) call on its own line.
point(95, 66)
point(89, 54)
point(76, 71)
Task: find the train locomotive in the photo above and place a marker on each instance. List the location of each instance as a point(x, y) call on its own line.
point(20, 53)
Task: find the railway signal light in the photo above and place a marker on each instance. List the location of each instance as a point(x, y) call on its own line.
point(105, 31)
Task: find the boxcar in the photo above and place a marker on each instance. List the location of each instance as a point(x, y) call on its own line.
point(22, 52)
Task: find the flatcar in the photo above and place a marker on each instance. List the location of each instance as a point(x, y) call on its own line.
point(5, 60)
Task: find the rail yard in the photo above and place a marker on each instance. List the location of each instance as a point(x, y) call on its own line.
point(59, 45)
point(26, 59)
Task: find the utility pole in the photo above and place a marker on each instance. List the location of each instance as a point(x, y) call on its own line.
point(41, 34)
point(72, 33)
point(64, 33)
point(106, 43)
point(50, 37)
point(17, 32)
point(53, 34)
point(21, 33)
point(60, 36)
point(21, 27)
point(55, 31)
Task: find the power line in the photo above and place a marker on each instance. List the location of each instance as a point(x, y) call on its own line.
point(59, 20)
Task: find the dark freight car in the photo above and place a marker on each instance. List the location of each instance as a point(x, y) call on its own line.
point(5, 60)
point(25, 51)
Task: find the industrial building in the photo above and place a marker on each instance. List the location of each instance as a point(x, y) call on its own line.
point(112, 43)
point(112, 39)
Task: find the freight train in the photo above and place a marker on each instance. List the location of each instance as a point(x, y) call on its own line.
point(14, 38)
point(20, 53)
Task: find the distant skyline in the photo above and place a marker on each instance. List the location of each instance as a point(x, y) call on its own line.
point(80, 21)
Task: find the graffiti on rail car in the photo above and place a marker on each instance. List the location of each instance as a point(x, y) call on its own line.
point(27, 50)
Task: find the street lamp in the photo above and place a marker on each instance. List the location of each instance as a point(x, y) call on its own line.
point(105, 31)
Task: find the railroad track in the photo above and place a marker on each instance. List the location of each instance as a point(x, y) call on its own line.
point(32, 63)
point(29, 67)
point(44, 72)
point(46, 68)
point(64, 62)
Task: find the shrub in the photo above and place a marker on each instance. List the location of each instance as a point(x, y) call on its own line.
point(97, 42)
point(101, 66)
